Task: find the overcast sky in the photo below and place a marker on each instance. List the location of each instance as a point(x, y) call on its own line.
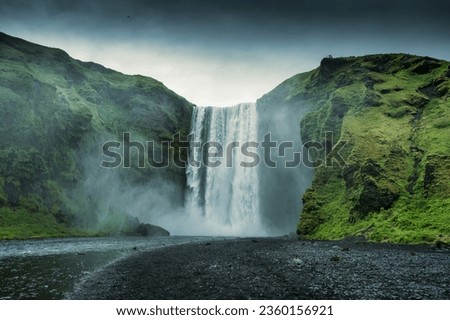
point(225, 52)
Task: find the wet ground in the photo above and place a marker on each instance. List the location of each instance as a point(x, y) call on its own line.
point(51, 268)
point(271, 268)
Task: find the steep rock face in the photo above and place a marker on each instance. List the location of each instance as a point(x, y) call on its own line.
point(373, 190)
point(393, 114)
point(56, 112)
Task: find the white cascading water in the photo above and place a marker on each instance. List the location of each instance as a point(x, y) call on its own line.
point(224, 200)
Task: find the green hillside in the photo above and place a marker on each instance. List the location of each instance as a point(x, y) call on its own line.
point(55, 114)
point(393, 111)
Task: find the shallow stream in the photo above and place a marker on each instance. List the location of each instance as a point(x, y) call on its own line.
point(51, 268)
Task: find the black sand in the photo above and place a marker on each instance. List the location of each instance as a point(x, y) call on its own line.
point(268, 268)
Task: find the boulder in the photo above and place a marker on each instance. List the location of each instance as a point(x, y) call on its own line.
point(150, 230)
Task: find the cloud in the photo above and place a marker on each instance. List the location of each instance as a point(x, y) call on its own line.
point(224, 52)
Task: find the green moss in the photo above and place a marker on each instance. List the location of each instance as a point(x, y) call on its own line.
point(404, 223)
point(20, 223)
point(55, 111)
point(396, 116)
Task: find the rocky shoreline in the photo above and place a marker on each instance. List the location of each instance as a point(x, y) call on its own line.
point(275, 268)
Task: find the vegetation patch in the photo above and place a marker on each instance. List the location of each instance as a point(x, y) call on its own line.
point(56, 112)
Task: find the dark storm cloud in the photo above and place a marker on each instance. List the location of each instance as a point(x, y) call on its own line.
point(238, 20)
point(230, 51)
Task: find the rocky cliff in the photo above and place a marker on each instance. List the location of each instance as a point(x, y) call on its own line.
point(389, 118)
point(377, 128)
point(56, 112)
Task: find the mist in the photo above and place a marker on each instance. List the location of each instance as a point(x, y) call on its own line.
point(215, 201)
point(112, 198)
point(282, 187)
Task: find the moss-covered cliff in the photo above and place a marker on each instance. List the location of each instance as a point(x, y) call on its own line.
point(55, 112)
point(393, 111)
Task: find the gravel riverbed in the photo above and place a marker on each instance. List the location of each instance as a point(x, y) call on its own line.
point(275, 268)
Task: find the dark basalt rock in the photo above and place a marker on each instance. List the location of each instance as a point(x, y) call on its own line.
point(442, 91)
point(380, 63)
point(339, 107)
point(417, 101)
point(369, 82)
point(344, 79)
point(150, 230)
point(375, 190)
point(390, 90)
point(372, 99)
point(373, 198)
point(329, 66)
point(426, 67)
point(433, 89)
point(348, 174)
point(436, 173)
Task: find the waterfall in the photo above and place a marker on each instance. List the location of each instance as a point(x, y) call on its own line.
point(234, 199)
point(224, 198)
